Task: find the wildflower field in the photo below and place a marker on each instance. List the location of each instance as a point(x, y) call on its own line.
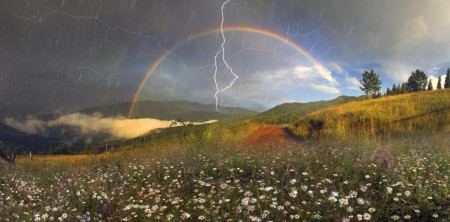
point(397, 180)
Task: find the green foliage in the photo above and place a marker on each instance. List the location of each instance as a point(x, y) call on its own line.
point(404, 88)
point(60, 149)
point(370, 83)
point(439, 84)
point(398, 89)
point(430, 86)
point(388, 92)
point(447, 80)
point(417, 81)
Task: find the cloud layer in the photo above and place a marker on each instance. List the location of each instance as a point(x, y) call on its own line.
point(90, 125)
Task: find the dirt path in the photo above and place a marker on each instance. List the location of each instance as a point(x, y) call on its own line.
point(271, 135)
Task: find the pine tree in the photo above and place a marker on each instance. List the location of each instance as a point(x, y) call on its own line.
point(388, 92)
point(394, 89)
point(417, 81)
point(404, 88)
point(430, 86)
point(447, 80)
point(439, 84)
point(377, 95)
point(370, 83)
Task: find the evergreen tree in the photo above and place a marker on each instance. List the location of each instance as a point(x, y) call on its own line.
point(447, 80)
point(370, 83)
point(430, 86)
point(388, 92)
point(404, 88)
point(439, 85)
point(417, 81)
point(394, 89)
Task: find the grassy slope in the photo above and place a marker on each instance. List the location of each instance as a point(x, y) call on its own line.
point(235, 130)
point(428, 111)
point(288, 112)
point(419, 112)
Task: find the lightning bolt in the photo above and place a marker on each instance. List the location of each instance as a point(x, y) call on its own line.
point(222, 51)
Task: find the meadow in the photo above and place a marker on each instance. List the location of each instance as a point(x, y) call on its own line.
point(190, 174)
point(404, 180)
point(411, 113)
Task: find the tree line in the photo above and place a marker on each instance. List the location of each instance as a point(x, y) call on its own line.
point(418, 81)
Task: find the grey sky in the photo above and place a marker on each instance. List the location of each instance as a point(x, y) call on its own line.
point(66, 55)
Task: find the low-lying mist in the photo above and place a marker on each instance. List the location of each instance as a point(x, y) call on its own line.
point(89, 125)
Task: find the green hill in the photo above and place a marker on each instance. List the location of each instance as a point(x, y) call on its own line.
point(288, 112)
point(12, 139)
point(421, 112)
point(237, 130)
point(169, 110)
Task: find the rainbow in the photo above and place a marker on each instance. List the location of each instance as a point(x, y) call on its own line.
point(250, 29)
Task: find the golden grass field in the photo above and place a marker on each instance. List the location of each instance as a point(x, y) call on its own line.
point(421, 112)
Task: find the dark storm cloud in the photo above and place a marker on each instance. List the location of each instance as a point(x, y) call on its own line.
point(66, 55)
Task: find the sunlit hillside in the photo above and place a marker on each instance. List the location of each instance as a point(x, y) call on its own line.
point(421, 113)
point(288, 112)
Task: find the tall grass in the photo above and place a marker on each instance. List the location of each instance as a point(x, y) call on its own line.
point(331, 181)
point(421, 112)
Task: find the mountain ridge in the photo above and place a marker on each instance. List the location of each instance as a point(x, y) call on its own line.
point(169, 110)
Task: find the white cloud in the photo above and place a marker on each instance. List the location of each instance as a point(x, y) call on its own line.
point(314, 72)
point(352, 83)
point(325, 88)
point(335, 68)
point(397, 72)
point(317, 78)
point(31, 125)
point(386, 33)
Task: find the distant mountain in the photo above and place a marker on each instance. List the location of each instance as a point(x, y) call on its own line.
point(287, 112)
point(169, 110)
point(19, 142)
point(12, 139)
